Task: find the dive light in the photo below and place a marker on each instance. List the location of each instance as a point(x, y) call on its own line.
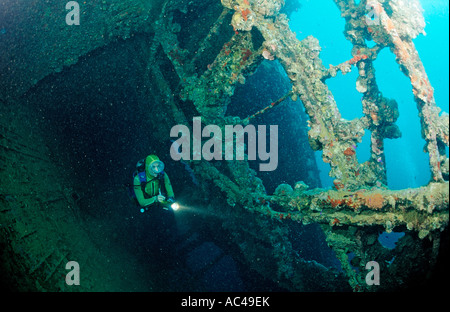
point(170, 204)
point(175, 206)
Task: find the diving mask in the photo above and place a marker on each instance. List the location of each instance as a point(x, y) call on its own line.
point(156, 167)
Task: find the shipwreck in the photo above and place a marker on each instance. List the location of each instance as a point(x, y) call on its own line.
point(133, 69)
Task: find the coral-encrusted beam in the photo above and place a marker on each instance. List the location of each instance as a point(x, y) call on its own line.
point(412, 66)
point(421, 209)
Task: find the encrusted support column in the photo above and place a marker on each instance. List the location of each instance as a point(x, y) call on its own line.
point(397, 31)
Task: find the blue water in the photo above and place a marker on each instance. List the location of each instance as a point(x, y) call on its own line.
point(389, 240)
point(407, 164)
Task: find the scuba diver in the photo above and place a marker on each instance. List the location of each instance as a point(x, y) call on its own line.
point(154, 194)
point(152, 185)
